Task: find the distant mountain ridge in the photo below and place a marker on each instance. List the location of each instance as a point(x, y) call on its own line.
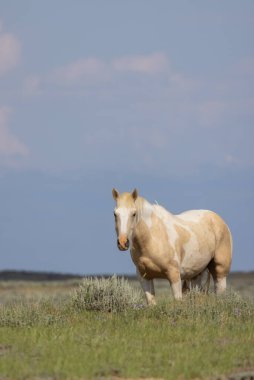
point(23, 275)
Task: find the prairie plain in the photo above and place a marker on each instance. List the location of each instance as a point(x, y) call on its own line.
point(43, 336)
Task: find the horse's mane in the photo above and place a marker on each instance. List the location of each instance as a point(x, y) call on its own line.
point(141, 203)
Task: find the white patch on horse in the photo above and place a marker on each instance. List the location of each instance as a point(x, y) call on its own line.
point(192, 251)
point(123, 213)
point(165, 216)
point(192, 216)
point(192, 259)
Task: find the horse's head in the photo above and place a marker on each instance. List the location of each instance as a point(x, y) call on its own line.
point(125, 217)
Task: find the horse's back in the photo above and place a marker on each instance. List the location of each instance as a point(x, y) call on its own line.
point(194, 216)
point(205, 217)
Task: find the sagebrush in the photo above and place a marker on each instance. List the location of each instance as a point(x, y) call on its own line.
point(111, 294)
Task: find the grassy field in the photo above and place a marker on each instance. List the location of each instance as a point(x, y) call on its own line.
point(43, 336)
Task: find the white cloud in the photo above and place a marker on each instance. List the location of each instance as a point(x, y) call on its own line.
point(94, 71)
point(86, 70)
point(148, 114)
point(109, 77)
point(9, 144)
point(146, 64)
point(10, 51)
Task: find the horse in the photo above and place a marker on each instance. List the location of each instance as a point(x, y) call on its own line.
point(176, 247)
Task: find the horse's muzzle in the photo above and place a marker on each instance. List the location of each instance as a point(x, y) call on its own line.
point(123, 244)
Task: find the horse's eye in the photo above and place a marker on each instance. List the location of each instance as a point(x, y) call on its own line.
point(114, 214)
point(134, 214)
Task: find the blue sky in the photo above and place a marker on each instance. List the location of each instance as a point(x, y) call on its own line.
point(94, 94)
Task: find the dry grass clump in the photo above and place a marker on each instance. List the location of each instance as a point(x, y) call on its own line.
point(27, 313)
point(199, 307)
point(112, 294)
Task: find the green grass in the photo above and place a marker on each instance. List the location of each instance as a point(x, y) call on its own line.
point(199, 337)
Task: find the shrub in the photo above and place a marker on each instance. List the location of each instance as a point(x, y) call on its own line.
point(112, 294)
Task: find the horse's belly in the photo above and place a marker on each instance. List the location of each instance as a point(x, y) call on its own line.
point(194, 262)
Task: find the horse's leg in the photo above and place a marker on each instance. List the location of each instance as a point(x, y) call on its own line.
point(201, 282)
point(219, 267)
point(177, 289)
point(185, 287)
point(173, 275)
point(148, 287)
point(205, 287)
point(196, 282)
point(220, 280)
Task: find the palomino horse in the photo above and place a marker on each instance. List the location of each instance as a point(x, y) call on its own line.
point(175, 247)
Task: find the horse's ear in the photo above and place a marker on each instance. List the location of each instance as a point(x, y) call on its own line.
point(115, 193)
point(134, 194)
